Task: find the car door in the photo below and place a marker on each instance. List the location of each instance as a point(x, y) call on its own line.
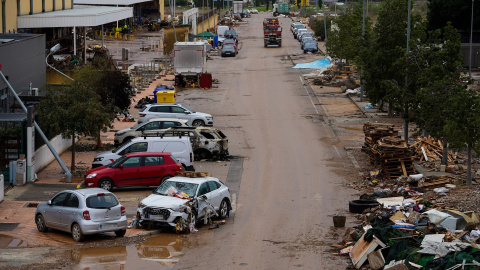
point(202, 204)
point(129, 172)
point(179, 112)
point(153, 170)
point(161, 111)
point(215, 195)
point(70, 211)
point(154, 125)
point(53, 213)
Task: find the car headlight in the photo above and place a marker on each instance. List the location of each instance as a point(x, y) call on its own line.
point(92, 175)
point(179, 208)
point(209, 117)
point(98, 159)
point(141, 205)
point(120, 133)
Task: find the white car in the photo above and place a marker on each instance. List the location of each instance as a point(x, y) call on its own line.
point(183, 200)
point(172, 110)
point(153, 124)
point(253, 11)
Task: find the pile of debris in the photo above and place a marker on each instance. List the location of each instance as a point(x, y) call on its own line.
point(390, 153)
point(428, 148)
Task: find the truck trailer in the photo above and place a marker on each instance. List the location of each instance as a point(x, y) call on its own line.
point(189, 62)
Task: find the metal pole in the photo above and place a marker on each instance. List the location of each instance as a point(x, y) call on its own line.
point(361, 71)
point(471, 36)
point(405, 128)
point(49, 145)
point(203, 18)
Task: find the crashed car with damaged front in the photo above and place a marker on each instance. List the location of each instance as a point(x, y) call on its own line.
point(181, 201)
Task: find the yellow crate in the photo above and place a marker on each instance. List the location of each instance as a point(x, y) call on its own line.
point(167, 96)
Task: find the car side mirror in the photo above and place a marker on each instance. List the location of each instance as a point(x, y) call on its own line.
point(203, 197)
point(187, 112)
point(49, 202)
point(120, 166)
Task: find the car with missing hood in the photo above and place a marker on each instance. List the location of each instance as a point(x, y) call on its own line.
point(181, 201)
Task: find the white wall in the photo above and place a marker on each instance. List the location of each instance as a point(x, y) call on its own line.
point(43, 156)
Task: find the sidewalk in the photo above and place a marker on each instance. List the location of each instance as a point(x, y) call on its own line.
point(17, 225)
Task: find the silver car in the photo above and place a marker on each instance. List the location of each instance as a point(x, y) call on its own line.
point(82, 212)
point(185, 199)
point(172, 110)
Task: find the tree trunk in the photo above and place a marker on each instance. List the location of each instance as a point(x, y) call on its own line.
point(444, 152)
point(469, 164)
point(390, 108)
point(72, 166)
point(99, 141)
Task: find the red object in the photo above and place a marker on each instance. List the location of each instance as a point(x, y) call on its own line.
point(86, 215)
point(205, 80)
point(123, 210)
point(136, 169)
point(0, 66)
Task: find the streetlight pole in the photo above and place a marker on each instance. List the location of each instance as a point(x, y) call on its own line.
point(405, 127)
point(471, 37)
point(363, 36)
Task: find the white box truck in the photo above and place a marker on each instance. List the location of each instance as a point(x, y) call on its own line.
point(189, 62)
point(237, 7)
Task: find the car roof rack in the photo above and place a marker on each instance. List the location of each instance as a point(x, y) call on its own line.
point(168, 133)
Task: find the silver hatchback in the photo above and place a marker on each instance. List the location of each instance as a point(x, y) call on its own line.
point(82, 212)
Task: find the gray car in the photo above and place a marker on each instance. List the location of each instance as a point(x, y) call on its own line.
point(172, 110)
point(82, 212)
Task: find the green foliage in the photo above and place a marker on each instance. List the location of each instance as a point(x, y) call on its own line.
point(346, 38)
point(458, 12)
point(319, 28)
point(12, 132)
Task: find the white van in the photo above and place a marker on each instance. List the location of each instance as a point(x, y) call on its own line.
point(221, 30)
point(180, 147)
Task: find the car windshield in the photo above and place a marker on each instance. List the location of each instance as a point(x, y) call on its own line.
point(102, 201)
point(174, 188)
point(137, 126)
point(115, 163)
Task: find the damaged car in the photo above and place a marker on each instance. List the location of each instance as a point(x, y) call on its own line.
point(181, 201)
point(207, 142)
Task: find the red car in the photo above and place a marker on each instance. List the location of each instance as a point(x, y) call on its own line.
point(134, 169)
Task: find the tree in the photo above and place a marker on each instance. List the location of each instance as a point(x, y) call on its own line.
point(72, 110)
point(345, 41)
point(463, 124)
point(455, 11)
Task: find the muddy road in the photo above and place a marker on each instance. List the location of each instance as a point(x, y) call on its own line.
point(286, 185)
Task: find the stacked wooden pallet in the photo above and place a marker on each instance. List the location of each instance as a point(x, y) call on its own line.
point(433, 150)
point(376, 131)
point(394, 156)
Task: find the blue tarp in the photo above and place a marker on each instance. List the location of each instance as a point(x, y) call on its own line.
point(322, 63)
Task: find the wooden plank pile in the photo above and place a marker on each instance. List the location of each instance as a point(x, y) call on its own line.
point(392, 154)
point(433, 150)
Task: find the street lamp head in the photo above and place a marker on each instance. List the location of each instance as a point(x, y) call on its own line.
point(55, 48)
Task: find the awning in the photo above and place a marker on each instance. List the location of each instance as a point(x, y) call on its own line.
point(206, 34)
point(109, 2)
point(78, 16)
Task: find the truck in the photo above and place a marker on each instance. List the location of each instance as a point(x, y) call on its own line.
point(189, 62)
point(280, 8)
point(237, 7)
point(272, 32)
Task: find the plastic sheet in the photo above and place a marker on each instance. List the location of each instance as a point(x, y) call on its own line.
point(322, 63)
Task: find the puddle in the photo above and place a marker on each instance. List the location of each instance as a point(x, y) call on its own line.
point(7, 241)
point(160, 251)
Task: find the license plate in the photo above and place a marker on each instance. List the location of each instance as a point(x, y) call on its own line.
point(107, 226)
point(158, 217)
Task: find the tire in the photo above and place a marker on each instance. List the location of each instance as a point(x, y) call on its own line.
point(280, 44)
point(77, 234)
point(265, 44)
point(223, 209)
point(40, 221)
point(358, 206)
point(120, 233)
point(198, 123)
point(106, 184)
point(202, 154)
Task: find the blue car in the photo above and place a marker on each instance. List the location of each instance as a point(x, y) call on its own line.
point(310, 47)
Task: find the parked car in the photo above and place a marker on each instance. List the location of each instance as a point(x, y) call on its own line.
point(306, 39)
point(292, 26)
point(179, 147)
point(296, 27)
point(134, 169)
point(231, 34)
point(229, 50)
point(304, 34)
point(253, 11)
point(82, 212)
point(247, 13)
point(207, 142)
point(298, 32)
point(181, 199)
point(310, 47)
point(230, 41)
point(153, 124)
point(173, 110)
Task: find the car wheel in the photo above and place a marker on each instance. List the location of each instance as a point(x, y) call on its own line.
point(223, 209)
point(165, 179)
point(120, 233)
point(202, 154)
point(77, 234)
point(198, 123)
point(40, 221)
point(106, 184)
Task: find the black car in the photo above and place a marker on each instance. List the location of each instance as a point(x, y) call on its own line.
point(229, 50)
point(230, 34)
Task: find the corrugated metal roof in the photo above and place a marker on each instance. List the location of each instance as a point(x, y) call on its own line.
point(109, 2)
point(77, 16)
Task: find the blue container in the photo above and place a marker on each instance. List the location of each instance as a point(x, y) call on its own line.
point(165, 88)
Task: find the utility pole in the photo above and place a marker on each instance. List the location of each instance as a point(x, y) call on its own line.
point(363, 37)
point(471, 37)
point(405, 131)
